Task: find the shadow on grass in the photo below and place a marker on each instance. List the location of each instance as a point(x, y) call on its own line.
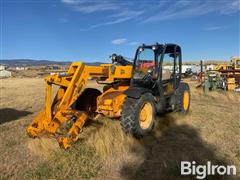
point(9, 114)
point(164, 152)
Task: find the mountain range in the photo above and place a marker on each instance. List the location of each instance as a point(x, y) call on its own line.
point(32, 62)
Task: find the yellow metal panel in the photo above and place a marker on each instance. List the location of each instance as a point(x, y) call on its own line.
point(48, 102)
point(108, 102)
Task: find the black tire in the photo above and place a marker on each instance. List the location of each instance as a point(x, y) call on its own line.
point(130, 118)
point(87, 101)
point(181, 107)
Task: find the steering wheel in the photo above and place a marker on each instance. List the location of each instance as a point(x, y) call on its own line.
point(149, 74)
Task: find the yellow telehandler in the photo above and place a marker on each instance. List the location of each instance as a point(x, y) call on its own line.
point(133, 92)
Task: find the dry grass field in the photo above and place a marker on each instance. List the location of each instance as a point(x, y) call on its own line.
point(210, 132)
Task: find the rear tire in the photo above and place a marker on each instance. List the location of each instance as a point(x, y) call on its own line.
point(184, 99)
point(138, 115)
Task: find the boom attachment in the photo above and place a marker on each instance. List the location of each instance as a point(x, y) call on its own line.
point(60, 110)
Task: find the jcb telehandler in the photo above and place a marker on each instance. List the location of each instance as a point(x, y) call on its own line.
point(133, 92)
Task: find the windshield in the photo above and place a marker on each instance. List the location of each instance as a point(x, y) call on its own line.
point(145, 63)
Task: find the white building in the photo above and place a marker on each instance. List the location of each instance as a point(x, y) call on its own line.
point(210, 67)
point(2, 67)
point(4, 73)
point(21, 68)
point(185, 68)
point(198, 68)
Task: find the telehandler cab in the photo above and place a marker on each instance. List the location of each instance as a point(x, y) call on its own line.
point(134, 92)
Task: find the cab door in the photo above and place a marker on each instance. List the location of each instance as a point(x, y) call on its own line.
point(167, 71)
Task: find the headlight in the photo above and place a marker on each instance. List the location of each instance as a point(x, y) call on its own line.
point(154, 48)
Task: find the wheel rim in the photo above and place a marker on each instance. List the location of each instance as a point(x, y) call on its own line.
point(146, 115)
point(185, 100)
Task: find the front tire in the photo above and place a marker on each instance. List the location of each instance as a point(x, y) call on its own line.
point(138, 115)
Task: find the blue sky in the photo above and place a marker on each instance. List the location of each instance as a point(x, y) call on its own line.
point(73, 30)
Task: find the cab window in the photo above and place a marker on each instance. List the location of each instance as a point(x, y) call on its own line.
point(168, 66)
point(145, 63)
